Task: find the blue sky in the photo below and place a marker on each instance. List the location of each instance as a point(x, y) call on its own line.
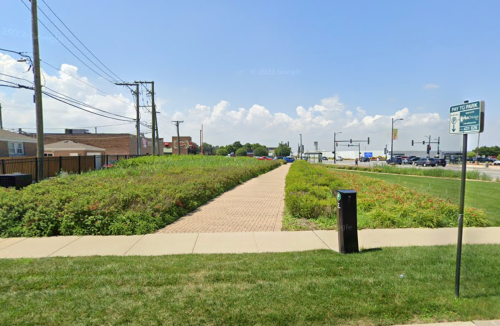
point(266, 71)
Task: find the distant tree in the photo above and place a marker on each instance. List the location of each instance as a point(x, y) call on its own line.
point(237, 145)
point(283, 150)
point(241, 152)
point(471, 154)
point(222, 152)
point(254, 146)
point(208, 148)
point(248, 146)
point(488, 151)
point(260, 151)
point(230, 149)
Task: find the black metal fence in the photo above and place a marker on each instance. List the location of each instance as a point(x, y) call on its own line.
point(53, 165)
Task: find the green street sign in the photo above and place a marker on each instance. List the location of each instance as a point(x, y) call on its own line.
point(467, 118)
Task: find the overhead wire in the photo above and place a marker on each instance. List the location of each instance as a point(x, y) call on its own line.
point(81, 41)
point(111, 81)
point(81, 81)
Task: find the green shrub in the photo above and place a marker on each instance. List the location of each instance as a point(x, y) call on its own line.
point(260, 151)
point(241, 152)
point(309, 189)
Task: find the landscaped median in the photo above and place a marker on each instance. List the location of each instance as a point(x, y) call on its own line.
point(310, 201)
point(135, 196)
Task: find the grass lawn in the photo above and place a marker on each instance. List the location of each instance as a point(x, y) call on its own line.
point(478, 194)
point(378, 287)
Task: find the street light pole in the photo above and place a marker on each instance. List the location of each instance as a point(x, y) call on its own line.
point(392, 136)
point(335, 147)
point(300, 148)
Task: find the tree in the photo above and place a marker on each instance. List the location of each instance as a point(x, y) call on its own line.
point(241, 152)
point(260, 151)
point(283, 150)
point(256, 145)
point(237, 145)
point(248, 146)
point(222, 152)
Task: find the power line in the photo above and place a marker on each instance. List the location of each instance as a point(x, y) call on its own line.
point(81, 81)
point(76, 106)
point(112, 82)
point(81, 41)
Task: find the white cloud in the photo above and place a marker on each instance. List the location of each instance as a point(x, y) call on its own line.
point(430, 86)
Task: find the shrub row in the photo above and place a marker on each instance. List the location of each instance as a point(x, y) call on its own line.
point(136, 196)
point(311, 189)
point(428, 172)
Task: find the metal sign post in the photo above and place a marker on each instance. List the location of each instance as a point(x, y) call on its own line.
point(464, 119)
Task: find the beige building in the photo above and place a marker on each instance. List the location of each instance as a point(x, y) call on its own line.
point(71, 148)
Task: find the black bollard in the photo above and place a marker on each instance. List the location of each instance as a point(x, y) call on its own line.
point(347, 217)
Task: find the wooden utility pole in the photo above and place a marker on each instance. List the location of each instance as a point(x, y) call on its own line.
point(38, 91)
point(154, 121)
point(176, 123)
point(138, 119)
point(1, 123)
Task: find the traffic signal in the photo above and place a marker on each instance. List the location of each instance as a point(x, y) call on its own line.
point(368, 140)
point(350, 140)
point(428, 149)
point(385, 151)
point(412, 143)
point(336, 144)
point(423, 142)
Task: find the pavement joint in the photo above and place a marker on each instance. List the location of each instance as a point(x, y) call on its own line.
point(133, 245)
point(49, 255)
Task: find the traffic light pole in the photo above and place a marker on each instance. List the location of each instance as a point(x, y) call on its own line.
point(429, 142)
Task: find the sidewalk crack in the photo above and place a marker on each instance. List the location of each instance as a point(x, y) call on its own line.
point(125, 253)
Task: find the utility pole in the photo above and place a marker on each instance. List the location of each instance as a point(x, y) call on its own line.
point(1, 123)
point(176, 123)
point(38, 91)
point(300, 147)
point(392, 136)
point(201, 141)
point(153, 113)
point(137, 120)
point(335, 147)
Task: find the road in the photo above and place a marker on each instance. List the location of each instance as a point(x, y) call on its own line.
point(492, 171)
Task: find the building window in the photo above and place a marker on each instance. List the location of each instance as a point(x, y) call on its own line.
point(16, 148)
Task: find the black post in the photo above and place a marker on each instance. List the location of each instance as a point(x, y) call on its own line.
point(3, 166)
point(347, 221)
point(461, 215)
point(79, 165)
point(60, 163)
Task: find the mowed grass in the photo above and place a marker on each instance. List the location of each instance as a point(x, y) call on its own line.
point(377, 287)
point(478, 194)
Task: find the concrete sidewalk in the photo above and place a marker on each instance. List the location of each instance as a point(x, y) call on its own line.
point(241, 242)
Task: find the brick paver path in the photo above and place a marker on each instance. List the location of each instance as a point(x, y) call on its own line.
point(256, 205)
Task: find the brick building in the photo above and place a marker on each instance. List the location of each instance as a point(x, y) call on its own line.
point(114, 144)
point(16, 145)
point(185, 144)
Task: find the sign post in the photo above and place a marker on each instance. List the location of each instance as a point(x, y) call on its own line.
point(464, 119)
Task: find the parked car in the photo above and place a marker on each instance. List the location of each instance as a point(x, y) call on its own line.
point(441, 161)
point(425, 161)
point(324, 158)
point(497, 162)
point(289, 159)
point(395, 160)
point(365, 159)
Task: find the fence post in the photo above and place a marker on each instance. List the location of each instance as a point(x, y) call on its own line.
point(79, 165)
point(60, 163)
point(3, 166)
point(95, 163)
point(36, 169)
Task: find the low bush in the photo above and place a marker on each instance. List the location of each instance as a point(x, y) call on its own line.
point(428, 172)
point(136, 196)
point(310, 194)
